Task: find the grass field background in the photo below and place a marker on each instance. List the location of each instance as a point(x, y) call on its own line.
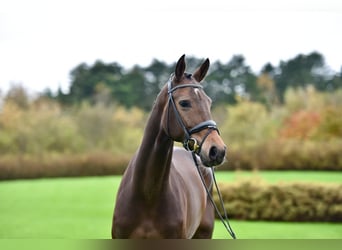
point(81, 208)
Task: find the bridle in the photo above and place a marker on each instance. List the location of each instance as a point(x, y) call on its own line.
point(191, 144)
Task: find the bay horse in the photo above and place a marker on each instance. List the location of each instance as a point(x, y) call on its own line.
point(161, 194)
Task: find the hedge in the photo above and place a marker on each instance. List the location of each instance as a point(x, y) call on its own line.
point(255, 200)
point(276, 155)
point(286, 155)
point(94, 164)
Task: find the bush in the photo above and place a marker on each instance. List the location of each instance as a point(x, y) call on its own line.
point(90, 164)
point(306, 133)
point(255, 200)
point(37, 130)
point(287, 155)
point(247, 124)
point(331, 124)
point(301, 125)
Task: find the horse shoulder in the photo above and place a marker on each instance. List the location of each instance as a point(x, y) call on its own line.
point(194, 194)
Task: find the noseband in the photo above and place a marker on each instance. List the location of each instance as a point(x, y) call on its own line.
point(190, 143)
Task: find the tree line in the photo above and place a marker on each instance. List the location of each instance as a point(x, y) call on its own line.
point(225, 84)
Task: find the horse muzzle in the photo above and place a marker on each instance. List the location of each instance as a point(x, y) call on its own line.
point(211, 148)
point(213, 155)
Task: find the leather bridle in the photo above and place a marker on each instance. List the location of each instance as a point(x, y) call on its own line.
point(189, 143)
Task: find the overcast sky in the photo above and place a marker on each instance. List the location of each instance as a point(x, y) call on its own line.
point(42, 40)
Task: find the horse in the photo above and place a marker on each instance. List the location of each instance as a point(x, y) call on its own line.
point(161, 194)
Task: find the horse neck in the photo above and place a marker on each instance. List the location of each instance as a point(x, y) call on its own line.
point(152, 164)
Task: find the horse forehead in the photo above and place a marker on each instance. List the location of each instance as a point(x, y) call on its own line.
point(197, 92)
point(193, 93)
point(200, 95)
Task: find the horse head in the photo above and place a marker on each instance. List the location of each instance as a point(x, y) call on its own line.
point(187, 117)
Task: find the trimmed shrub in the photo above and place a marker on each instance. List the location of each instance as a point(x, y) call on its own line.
point(28, 167)
point(287, 155)
point(255, 200)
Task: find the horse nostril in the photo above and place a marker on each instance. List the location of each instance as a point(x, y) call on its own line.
point(213, 153)
point(216, 155)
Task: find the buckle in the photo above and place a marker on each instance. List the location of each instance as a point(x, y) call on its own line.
point(191, 144)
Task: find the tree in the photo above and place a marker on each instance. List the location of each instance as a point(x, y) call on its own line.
point(266, 85)
point(18, 94)
point(84, 79)
point(129, 90)
point(334, 82)
point(227, 81)
point(301, 71)
point(156, 75)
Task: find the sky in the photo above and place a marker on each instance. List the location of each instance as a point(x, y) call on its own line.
point(41, 41)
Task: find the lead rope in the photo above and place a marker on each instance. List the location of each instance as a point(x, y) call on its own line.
point(225, 220)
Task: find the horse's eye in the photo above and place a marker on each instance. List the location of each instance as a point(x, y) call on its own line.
point(185, 104)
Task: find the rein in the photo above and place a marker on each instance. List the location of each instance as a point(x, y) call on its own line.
point(224, 220)
point(191, 144)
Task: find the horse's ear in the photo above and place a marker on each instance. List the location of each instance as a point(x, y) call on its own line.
point(202, 71)
point(180, 68)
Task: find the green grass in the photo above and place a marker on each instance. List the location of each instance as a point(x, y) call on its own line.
point(282, 176)
point(81, 208)
point(280, 230)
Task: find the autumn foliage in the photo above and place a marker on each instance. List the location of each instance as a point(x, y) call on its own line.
point(42, 138)
point(301, 125)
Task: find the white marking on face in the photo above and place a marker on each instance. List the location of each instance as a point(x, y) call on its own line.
point(197, 92)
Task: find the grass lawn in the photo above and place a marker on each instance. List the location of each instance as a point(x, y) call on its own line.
point(282, 176)
point(81, 208)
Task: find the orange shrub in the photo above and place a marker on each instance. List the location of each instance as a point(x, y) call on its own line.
point(301, 125)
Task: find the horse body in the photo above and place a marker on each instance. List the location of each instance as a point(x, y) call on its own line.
point(163, 216)
point(161, 194)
